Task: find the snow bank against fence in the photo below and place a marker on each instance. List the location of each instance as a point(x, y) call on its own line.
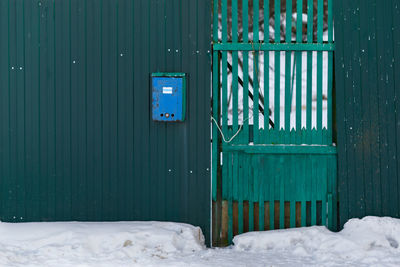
point(371, 241)
point(95, 244)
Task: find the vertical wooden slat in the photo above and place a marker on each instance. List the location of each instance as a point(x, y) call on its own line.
point(240, 193)
point(299, 70)
point(309, 69)
point(333, 175)
point(293, 181)
point(319, 68)
point(330, 72)
point(266, 72)
point(235, 65)
point(261, 177)
point(314, 192)
point(245, 11)
point(282, 195)
point(272, 187)
point(288, 55)
point(323, 185)
point(304, 189)
point(277, 65)
point(231, 180)
point(255, 72)
point(256, 182)
point(250, 198)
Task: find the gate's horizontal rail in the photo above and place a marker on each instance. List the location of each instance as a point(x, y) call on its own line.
point(281, 149)
point(273, 47)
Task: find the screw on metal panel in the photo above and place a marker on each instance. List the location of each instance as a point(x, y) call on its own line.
point(191, 171)
point(169, 170)
point(208, 169)
point(12, 68)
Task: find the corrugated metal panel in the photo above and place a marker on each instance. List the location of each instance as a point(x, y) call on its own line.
point(77, 139)
point(368, 87)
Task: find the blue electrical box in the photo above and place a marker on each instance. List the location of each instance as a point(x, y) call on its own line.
point(168, 96)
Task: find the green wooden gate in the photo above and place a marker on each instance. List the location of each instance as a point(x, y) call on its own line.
point(274, 159)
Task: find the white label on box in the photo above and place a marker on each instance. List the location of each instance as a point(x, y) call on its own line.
point(167, 90)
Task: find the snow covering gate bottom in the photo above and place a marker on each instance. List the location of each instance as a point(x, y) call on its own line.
point(274, 161)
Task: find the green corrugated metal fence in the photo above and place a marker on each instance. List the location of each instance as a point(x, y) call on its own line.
point(76, 137)
point(367, 35)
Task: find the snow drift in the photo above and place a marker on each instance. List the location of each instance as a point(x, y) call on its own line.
point(110, 244)
point(367, 241)
point(371, 241)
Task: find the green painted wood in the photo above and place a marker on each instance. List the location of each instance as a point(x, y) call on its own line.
point(272, 191)
point(241, 185)
point(273, 46)
point(250, 196)
point(256, 78)
point(231, 179)
point(76, 136)
point(319, 66)
point(293, 187)
point(288, 65)
point(260, 200)
point(281, 149)
point(265, 165)
point(299, 65)
point(303, 195)
point(330, 70)
point(235, 66)
point(281, 189)
point(266, 73)
point(309, 70)
point(245, 22)
point(277, 64)
point(323, 192)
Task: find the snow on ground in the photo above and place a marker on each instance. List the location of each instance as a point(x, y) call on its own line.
point(371, 241)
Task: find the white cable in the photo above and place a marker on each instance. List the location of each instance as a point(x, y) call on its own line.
point(222, 134)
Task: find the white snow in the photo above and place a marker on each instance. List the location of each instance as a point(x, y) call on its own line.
point(371, 241)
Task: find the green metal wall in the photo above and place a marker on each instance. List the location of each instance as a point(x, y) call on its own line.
point(76, 137)
point(367, 37)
